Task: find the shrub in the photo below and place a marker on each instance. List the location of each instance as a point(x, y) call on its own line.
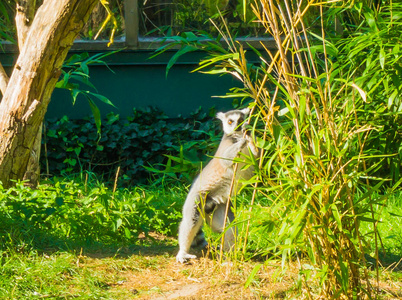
point(144, 139)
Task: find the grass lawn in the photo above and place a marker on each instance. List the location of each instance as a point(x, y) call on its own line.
point(141, 272)
point(69, 240)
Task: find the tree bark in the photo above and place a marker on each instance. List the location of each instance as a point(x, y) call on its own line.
point(3, 80)
point(51, 34)
point(23, 19)
point(32, 173)
point(25, 13)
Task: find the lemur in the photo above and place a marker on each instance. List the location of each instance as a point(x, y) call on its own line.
point(209, 193)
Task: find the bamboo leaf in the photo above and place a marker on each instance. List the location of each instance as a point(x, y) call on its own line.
point(101, 98)
point(382, 58)
point(176, 56)
point(250, 278)
point(361, 92)
point(395, 215)
point(337, 217)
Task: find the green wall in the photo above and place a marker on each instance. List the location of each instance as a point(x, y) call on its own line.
point(137, 81)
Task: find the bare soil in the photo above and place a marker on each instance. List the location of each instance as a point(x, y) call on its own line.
point(151, 272)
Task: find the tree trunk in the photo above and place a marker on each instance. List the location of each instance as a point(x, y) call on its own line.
point(24, 17)
point(32, 173)
point(52, 33)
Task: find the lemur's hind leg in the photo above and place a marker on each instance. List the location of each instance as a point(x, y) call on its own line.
point(217, 222)
point(199, 240)
point(189, 227)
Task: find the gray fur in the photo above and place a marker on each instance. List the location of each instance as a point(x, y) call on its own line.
point(208, 195)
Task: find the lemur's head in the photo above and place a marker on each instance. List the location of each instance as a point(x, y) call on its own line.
point(233, 120)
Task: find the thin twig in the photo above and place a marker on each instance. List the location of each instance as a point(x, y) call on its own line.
point(115, 179)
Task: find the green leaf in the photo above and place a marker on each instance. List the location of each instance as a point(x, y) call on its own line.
point(84, 68)
point(101, 98)
point(176, 56)
point(337, 216)
point(382, 58)
point(77, 150)
point(119, 221)
point(392, 98)
point(59, 201)
point(59, 84)
point(190, 36)
point(70, 161)
point(96, 114)
point(302, 108)
point(366, 219)
point(83, 79)
point(127, 233)
point(250, 278)
point(74, 94)
point(371, 21)
point(395, 215)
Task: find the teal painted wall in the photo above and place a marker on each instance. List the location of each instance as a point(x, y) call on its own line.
point(137, 81)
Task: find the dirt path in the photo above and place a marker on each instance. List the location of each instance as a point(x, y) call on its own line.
point(152, 273)
point(183, 291)
point(161, 277)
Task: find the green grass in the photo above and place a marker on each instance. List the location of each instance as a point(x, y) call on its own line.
point(69, 213)
point(31, 275)
point(389, 214)
point(390, 225)
point(45, 232)
point(64, 275)
point(51, 238)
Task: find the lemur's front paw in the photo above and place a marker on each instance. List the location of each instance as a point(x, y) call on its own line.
point(245, 132)
point(183, 256)
point(243, 142)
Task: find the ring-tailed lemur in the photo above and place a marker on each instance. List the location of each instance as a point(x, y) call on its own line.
point(209, 192)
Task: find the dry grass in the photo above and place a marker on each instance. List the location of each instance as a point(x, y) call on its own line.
point(160, 277)
point(152, 273)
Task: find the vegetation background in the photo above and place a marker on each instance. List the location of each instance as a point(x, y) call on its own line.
point(319, 220)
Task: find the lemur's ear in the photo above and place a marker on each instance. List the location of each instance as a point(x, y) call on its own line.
point(220, 116)
point(245, 111)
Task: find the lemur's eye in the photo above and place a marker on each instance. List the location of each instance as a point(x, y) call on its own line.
point(241, 120)
point(230, 122)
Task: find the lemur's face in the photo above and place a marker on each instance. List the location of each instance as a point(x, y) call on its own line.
point(233, 120)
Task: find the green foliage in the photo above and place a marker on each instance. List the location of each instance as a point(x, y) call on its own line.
point(7, 27)
point(138, 145)
point(60, 213)
point(30, 276)
point(330, 111)
point(52, 238)
point(171, 19)
point(371, 57)
point(389, 217)
point(75, 72)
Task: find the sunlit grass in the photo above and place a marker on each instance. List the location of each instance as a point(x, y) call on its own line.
point(39, 260)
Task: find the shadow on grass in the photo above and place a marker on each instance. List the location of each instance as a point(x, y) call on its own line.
point(387, 260)
point(150, 245)
point(19, 235)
